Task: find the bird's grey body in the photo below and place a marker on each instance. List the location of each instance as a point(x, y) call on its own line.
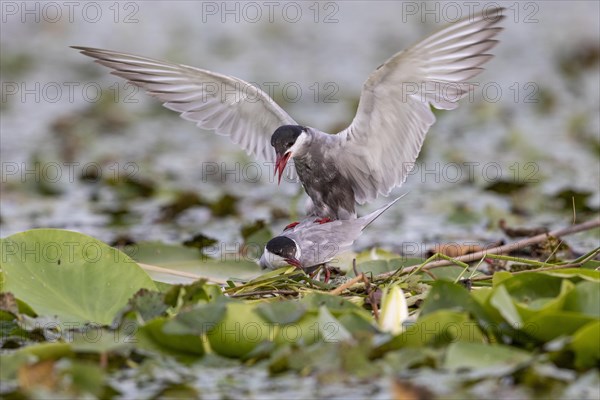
point(330, 192)
point(310, 244)
point(373, 155)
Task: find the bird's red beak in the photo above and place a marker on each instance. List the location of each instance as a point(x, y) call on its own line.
point(280, 163)
point(293, 261)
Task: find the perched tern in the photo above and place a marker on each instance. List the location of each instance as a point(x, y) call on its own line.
point(372, 155)
point(311, 243)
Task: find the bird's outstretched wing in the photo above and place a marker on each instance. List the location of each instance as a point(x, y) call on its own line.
point(378, 149)
point(227, 105)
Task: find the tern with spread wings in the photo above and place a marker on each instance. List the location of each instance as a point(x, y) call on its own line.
point(372, 155)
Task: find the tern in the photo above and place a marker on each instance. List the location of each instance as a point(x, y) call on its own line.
point(373, 155)
point(311, 243)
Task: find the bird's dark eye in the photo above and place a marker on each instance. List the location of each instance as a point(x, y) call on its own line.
point(289, 144)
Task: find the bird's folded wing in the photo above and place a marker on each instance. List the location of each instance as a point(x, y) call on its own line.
point(227, 105)
point(378, 149)
point(321, 243)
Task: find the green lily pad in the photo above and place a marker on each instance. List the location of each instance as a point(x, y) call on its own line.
point(240, 331)
point(436, 329)
point(191, 345)
point(587, 346)
point(465, 355)
point(500, 277)
point(334, 304)
point(198, 320)
point(10, 364)
point(357, 323)
point(190, 260)
point(281, 312)
point(549, 325)
point(330, 328)
point(446, 295)
point(96, 339)
point(501, 301)
point(73, 276)
point(586, 274)
point(584, 298)
point(534, 293)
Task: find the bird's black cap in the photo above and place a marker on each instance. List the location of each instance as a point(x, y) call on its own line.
point(282, 246)
point(285, 136)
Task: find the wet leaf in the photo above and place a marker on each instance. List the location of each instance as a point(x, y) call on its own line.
point(71, 275)
point(496, 360)
point(239, 331)
point(303, 332)
point(97, 339)
point(188, 344)
point(572, 198)
point(200, 242)
point(182, 202)
point(198, 320)
point(330, 328)
point(586, 345)
point(84, 378)
point(48, 351)
point(146, 304)
point(186, 259)
point(501, 301)
point(357, 324)
point(592, 264)
point(129, 187)
point(11, 362)
point(584, 298)
point(281, 312)
point(446, 295)
point(551, 324)
point(435, 329)
point(182, 296)
point(225, 206)
point(335, 304)
point(587, 274)
point(505, 187)
point(411, 357)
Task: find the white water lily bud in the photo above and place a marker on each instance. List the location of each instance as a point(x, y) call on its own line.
point(394, 310)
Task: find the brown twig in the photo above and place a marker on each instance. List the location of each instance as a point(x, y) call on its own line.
point(266, 292)
point(487, 277)
point(505, 249)
point(338, 290)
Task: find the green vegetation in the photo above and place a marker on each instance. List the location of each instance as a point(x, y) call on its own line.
point(80, 318)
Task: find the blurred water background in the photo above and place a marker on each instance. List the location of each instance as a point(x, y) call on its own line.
point(82, 150)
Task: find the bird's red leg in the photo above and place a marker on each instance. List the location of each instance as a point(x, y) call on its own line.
point(316, 272)
point(290, 226)
point(323, 220)
point(313, 274)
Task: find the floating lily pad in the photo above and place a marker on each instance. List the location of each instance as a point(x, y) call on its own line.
point(465, 355)
point(70, 275)
point(587, 346)
point(190, 260)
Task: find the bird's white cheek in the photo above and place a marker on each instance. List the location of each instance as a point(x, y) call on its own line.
point(299, 147)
